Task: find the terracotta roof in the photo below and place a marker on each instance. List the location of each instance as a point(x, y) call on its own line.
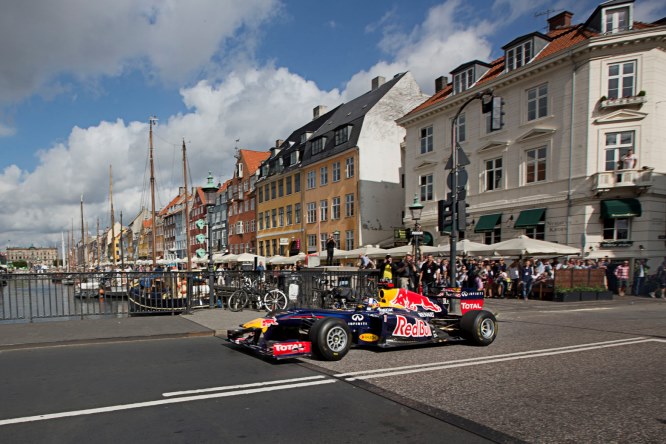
point(176, 200)
point(147, 223)
point(253, 159)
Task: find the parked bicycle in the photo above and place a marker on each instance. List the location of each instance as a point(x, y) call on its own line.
point(259, 296)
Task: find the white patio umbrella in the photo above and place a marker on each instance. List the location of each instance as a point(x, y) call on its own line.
point(275, 259)
point(338, 254)
point(249, 257)
point(228, 258)
point(523, 245)
point(400, 251)
point(291, 260)
point(369, 250)
point(466, 247)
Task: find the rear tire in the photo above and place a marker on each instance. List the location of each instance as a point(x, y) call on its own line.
point(275, 300)
point(331, 339)
point(479, 326)
point(237, 301)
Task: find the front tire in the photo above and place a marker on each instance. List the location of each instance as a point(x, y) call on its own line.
point(479, 326)
point(275, 300)
point(331, 339)
point(237, 301)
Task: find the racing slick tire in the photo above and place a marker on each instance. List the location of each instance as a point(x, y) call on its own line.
point(331, 339)
point(479, 326)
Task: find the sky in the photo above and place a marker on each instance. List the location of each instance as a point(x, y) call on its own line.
point(79, 80)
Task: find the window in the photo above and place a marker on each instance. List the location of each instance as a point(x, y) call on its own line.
point(261, 248)
point(294, 157)
point(273, 190)
point(246, 204)
point(425, 187)
point(349, 205)
point(280, 187)
point(535, 168)
point(261, 195)
point(267, 217)
point(460, 128)
point(537, 102)
point(537, 232)
point(519, 55)
point(266, 191)
point(297, 213)
point(289, 215)
point(288, 180)
point(349, 240)
point(616, 20)
point(335, 208)
point(312, 242)
point(616, 229)
point(491, 237)
point(318, 145)
point(311, 180)
point(621, 79)
point(336, 172)
point(312, 212)
point(617, 145)
point(252, 226)
point(323, 176)
point(274, 245)
point(252, 204)
point(297, 183)
point(342, 135)
point(260, 217)
point(281, 217)
point(323, 237)
point(323, 210)
point(426, 140)
point(274, 217)
point(494, 174)
point(349, 167)
point(463, 80)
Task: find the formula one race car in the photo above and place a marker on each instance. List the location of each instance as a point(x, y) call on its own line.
point(399, 318)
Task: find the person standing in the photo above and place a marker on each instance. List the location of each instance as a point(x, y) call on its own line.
point(640, 271)
point(622, 275)
point(661, 280)
point(429, 274)
point(388, 269)
point(527, 279)
point(330, 249)
point(407, 272)
point(629, 160)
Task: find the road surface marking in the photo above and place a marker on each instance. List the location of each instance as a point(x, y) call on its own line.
point(483, 358)
point(137, 405)
point(578, 309)
point(233, 387)
point(491, 360)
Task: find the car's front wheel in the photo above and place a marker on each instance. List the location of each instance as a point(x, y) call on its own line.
point(479, 326)
point(331, 339)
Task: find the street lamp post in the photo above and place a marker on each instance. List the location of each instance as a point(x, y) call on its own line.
point(415, 209)
point(210, 191)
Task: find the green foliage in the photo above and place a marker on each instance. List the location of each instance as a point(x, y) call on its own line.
point(641, 94)
point(580, 288)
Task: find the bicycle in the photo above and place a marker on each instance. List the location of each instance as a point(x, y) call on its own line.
point(272, 300)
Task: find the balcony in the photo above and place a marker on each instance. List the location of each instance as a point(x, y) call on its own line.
point(638, 179)
point(621, 102)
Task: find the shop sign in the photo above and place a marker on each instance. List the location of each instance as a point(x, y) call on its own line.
point(616, 244)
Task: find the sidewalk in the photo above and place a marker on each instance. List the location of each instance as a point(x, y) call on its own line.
point(205, 322)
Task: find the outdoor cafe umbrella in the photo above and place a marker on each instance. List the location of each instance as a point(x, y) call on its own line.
point(466, 247)
point(368, 250)
point(228, 258)
point(523, 245)
point(249, 257)
point(275, 259)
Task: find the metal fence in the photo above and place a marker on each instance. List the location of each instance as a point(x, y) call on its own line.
point(30, 297)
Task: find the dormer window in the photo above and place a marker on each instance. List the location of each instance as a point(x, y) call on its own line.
point(305, 136)
point(318, 145)
point(522, 50)
point(617, 19)
point(294, 158)
point(239, 170)
point(342, 135)
point(463, 81)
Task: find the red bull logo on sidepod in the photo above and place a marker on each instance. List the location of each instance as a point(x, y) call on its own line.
point(409, 300)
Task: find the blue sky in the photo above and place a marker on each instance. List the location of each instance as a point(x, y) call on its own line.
point(79, 80)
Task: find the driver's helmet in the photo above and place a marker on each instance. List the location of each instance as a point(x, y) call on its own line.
point(373, 304)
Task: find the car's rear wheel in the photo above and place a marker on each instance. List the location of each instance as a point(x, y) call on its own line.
point(479, 326)
point(331, 339)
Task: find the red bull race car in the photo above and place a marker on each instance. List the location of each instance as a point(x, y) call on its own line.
point(398, 318)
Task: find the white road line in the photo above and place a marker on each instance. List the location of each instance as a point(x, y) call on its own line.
point(234, 387)
point(138, 405)
point(578, 309)
point(491, 361)
point(483, 358)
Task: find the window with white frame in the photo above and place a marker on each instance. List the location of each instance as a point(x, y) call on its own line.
point(342, 135)
point(297, 213)
point(336, 171)
point(335, 208)
point(289, 215)
point(463, 80)
point(318, 145)
point(460, 128)
point(349, 205)
point(536, 232)
point(288, 181)
point(323, 237)
point(349, 167)
point(260, 218)
point(267, 219)
point(312, 242)
point(617, 19)
point(493, 174)
point(491, 237)
point(535, 165)
point(323, 210)
point(622, 79)
point(616, 229)
point(311, 212)
point(323, 176)
point(312, 178)
point(281, 217)
point(616, 146)
point(426, 140)
point(349, 240)
point(294, 158)
point(537, 102)
point(519, 55)
point(274, 217)
point(426, 187)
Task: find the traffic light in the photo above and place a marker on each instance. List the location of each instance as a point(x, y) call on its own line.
point(444, 211)
point(461, 215)
point(497, 114)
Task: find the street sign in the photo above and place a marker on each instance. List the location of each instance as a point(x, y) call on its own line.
point(417, 233)
point(462, 159)
point(462, 178)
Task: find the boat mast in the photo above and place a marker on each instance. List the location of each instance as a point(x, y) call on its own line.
point(122, 251)
point(62, 247)
point(83, 239)
point(113, 221)
point(187, 211)
point(153, 119)
point(98, 244)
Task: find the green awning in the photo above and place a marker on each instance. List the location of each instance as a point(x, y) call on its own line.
point(487, 223)
point(614, 208)
point(530, 218)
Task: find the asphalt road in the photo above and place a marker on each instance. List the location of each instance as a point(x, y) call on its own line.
point(593, 372)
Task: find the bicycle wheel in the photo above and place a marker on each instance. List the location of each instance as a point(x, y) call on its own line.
point(275, 300)
point(237, 301)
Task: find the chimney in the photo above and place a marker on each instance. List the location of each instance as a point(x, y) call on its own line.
point(440, 83)
point(377, 82)
point(561, 20)
point(278, 143)
point(318, 111)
